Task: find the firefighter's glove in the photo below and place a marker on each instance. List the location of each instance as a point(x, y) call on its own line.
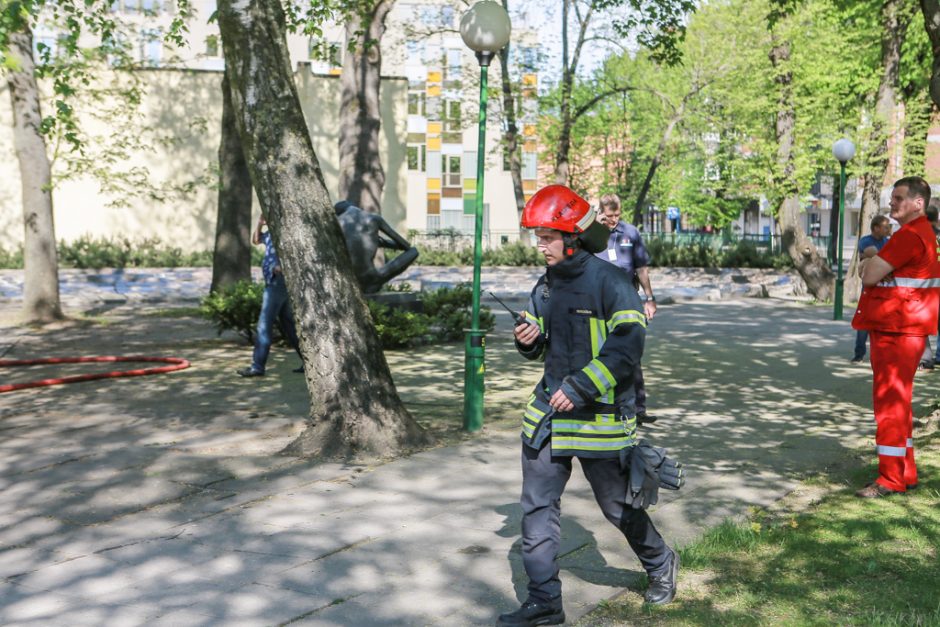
point(671, 475)
point(643, 482)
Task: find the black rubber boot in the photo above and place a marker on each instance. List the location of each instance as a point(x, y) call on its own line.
point(662, 589)
point(534, 613)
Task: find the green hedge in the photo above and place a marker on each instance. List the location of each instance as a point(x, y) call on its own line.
point(445, 316)
point(88, 252)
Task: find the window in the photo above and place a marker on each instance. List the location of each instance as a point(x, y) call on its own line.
point(451, 170)
point(454, 62)
point(416, 157)
point(528, 59)
point(151, 46)
point(452, 115)
point(150, 7)
point(131, 6)
point(414, 52)
point(212, 46)
point(416, 102)
point(528, 165)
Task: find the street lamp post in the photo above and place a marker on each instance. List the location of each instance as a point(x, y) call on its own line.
point(485, 29)
point(842, 150)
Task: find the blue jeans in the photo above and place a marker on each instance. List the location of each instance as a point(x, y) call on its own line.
point(274, 306)
point(860, 338)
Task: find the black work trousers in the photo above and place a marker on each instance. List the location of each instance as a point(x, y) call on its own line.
point(544, 477)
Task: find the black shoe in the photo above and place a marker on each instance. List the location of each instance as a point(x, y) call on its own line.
point(248, 372)
point(925, 364)
point(662, 589)
point(642, 418)
point(858, 360)
point(298, 370)
point(533, 613)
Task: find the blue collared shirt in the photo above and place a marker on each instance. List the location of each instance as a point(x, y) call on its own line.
point(625, 249)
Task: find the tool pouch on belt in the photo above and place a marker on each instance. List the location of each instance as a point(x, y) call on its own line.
point(649, 469)
point(537, 422)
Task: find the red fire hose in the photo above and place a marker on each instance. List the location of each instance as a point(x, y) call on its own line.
point(177, 364)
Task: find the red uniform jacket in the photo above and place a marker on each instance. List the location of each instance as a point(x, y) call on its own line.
point(909, 302)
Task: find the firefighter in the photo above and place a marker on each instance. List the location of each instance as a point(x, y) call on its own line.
point(586, 321)
point(898, 307)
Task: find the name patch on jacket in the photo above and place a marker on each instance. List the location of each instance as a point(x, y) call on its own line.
point(579, 311)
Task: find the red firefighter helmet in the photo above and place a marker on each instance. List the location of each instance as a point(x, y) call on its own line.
point(558, 207)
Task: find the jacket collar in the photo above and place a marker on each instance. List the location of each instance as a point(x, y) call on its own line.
point(571, 267)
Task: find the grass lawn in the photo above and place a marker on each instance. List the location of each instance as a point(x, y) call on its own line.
point(841, 560)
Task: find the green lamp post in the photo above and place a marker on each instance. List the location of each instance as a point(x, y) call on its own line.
point(843, 150)
point(485, 28)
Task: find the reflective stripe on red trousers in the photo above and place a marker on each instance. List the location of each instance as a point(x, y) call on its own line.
point(894, 360)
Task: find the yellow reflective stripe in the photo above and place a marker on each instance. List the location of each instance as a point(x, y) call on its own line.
point(598, 337)
point(531, 316)
point(586, 427)
point(626, 317)
point(600, 375)
point(589, 444)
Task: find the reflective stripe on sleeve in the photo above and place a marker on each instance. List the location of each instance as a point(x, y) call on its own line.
point(628, 316)
point(906, 281)
point(910, 442)
point(599, 374)
point(531, 316)
point(891, 451)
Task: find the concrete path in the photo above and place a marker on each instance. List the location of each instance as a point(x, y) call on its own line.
point(162, 501)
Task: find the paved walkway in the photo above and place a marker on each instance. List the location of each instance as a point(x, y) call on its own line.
point(162, 500)
point(111, 287)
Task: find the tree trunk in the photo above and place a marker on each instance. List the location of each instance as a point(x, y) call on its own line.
point(931, 11)
point(654, 164)
point(895, 19)
point(231, 259)
point(361, 176)
point(355, 411)
point(569, 71)
point(511, 136)
point(817, 275)
point(40, 260)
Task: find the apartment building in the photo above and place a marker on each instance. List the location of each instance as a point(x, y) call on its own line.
point(430, 107)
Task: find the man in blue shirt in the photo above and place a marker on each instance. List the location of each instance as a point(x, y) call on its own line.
point(868, 246)
point(625, 250)
point(274, 306)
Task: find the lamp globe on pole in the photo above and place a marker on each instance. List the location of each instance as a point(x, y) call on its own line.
point(843, 150)
point(485, 28)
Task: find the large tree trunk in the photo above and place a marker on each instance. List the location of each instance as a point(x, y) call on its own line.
point(895, 18)
point(817, 275)
point(41, 266)
point(361, 176)
point(931, 11)
point(231, 259)
point(355, 412)
point(654, 164)
point(511, 136)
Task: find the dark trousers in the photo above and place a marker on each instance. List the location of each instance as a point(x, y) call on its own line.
point(544, 477)
point(861, 337)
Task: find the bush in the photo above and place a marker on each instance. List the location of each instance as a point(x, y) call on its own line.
point(236, 307)
point(99, 252)
point(398, 328)
point(12, 260)
point(450, 311)
point(447, 312)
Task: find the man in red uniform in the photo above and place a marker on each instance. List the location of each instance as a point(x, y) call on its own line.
point(898, 307)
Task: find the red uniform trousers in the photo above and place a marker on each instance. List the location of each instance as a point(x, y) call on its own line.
point(894, 360)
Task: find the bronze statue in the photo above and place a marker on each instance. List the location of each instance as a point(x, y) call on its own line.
point(365, 233)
